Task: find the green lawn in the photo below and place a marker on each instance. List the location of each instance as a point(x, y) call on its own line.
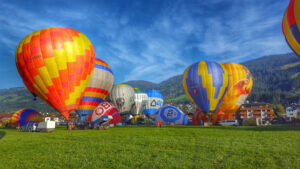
point(145, 147)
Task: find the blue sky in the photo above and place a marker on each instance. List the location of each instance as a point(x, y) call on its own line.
point(149, 39)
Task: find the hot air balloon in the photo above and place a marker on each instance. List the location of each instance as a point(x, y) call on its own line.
point(56, 65)
point(205, 83)
point(97, 90)
point(240, 85)
point(291, 25)
point(106, 108)
point(140, 99)
point(122, 96)
point(23, 116)
point(170, 115)
point(155, 101)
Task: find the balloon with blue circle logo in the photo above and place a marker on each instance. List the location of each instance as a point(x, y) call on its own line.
point(170, 115)
point(155, 101)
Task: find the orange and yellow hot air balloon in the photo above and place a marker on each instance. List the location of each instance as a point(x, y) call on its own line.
point(56, 64)
point(240, 85)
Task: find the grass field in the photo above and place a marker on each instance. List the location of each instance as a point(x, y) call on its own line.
point(145, 147)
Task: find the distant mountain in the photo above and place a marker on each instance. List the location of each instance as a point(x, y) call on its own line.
point(276, 80)
point(142, 84)
point(14, 99)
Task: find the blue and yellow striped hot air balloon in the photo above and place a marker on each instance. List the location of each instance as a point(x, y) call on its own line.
point(206, 83)
point(97, 90)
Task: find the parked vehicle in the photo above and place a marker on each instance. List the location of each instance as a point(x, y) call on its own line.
point(29, 127)
point(279, 120)
point(47, 126)
point(229, 123)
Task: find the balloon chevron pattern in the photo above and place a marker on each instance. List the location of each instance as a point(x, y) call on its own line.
point(56, 64)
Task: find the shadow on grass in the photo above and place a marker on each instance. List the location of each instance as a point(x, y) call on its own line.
point(285, 127)
point(2, 134)
point(249, 128)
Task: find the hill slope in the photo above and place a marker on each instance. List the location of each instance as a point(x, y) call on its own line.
point(276, 80)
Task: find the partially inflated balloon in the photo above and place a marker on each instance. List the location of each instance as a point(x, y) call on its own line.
point(240, 85)
point(22, 117)
point(170, 115)
point(291, 25)
point(56, 64)
point(97, 90)
point(140, 99)
point(105, 108)
point(205, 83)
point(155, 101)
point(122, 96)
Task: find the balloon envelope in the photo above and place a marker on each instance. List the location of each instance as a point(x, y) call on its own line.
point(122, 96)
point(205, 83)
point(140, 99)
point(106, 108)
point(155, 101)
point(97, 90)
point(170, 115)
point(56, 64)
point(23, 116)
point(291, 25)
point(240, 86)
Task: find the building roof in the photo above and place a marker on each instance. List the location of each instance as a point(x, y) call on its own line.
point(5, 115)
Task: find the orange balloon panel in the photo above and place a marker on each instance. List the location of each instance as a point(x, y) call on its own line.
point(240, 85)
point(56, 64)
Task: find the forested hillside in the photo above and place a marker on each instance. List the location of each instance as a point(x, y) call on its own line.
point(276, 81)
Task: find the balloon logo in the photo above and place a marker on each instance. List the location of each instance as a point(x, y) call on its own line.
point(105, 108)
point(56, 64)
point(206, 83)
point(155, 101)
point(291, 25)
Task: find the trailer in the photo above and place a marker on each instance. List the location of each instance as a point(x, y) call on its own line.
point(47, 126)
